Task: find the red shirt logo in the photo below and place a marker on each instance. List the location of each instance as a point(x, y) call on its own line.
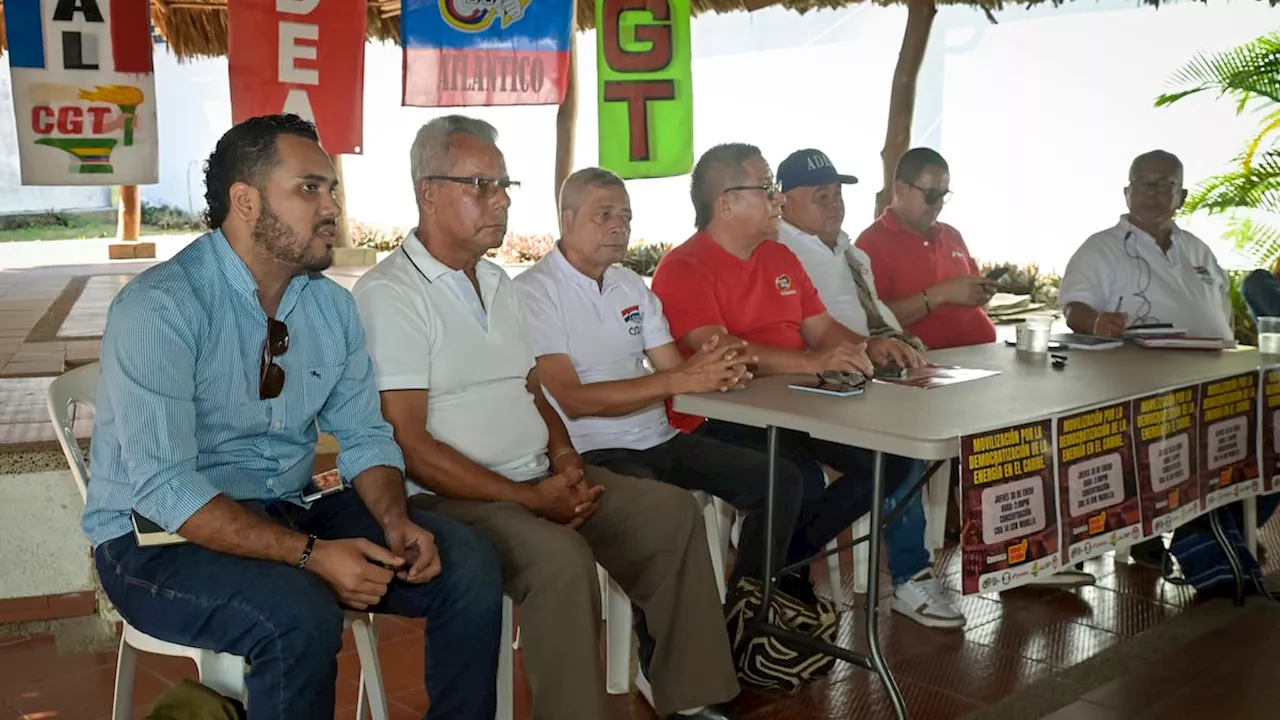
point(784, 285)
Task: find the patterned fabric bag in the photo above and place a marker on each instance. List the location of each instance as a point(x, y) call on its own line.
point(771, 663)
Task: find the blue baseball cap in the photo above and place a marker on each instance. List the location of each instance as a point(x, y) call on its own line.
point(809, 168)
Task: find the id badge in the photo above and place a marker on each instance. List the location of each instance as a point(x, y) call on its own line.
point(326, 483)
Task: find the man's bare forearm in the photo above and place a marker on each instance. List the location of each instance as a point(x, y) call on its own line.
point(1081, 318)
point(913, 308)
point(224, 526)
point(615, 398)
point(439, 468)
point(381, 489)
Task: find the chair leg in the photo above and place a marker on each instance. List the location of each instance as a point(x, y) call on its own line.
point(506, 665)
point(371, 687)
point(861, 555)
point(835, 582)
point(936, 496)
point(126, 664)
point(711, 518)
point(618, 641)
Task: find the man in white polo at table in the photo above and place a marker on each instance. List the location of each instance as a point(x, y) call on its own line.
point(812, 220)
point(1146, 270)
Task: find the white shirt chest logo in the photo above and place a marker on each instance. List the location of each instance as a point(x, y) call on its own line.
point(633, 319)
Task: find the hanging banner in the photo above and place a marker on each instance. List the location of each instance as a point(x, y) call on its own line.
point(1164, 441)
point(1269, 431)
point(304, 57)
point(1228, 439)
point(485, 52)
point(1097, 483)
point(1010, 533)
point(645, 76)
point(83, 91)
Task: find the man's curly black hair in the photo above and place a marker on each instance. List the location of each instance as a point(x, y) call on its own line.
point(246, 153)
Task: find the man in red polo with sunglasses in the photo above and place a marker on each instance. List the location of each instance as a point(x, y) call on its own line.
point(923, 269)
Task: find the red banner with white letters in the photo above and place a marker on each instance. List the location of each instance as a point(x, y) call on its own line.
point(304, 57)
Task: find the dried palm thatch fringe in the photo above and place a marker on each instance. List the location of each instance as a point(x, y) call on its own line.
point(198, 28)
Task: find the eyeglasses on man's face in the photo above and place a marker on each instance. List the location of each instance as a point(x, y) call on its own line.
point(771, 190)
point(933, 196)
point(484, 187)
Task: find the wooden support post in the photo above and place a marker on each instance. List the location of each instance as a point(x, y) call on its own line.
point(567, 119)
point(902, 97)
point(129, 228)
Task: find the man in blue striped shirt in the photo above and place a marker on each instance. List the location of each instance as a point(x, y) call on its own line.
point(217, 367)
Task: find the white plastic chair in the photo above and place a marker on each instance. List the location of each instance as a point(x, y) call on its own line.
point(616, 612)
point(221, 672)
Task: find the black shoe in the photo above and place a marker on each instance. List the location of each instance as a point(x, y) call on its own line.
point(710, 712)
point(1149, 553)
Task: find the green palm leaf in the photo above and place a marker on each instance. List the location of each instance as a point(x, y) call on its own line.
point(1257, 243)
point(1255, 186)
point(1250, 71)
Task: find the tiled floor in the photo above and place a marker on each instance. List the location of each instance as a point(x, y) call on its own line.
point(1013, 641)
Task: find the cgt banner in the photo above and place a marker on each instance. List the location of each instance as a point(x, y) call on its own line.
point(645, 87)
point(83, 91)
point(485, 52)
point(304, 57)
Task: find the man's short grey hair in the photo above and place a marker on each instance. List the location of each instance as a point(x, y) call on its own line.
point(592, 177)
point(430, 152)
point(718, 169)
point(1160, 156)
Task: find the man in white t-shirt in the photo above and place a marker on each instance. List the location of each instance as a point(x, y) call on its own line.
point(458, 385)
point(1147, 270)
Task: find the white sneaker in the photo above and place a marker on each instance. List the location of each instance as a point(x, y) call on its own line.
point(1063, 579)
point(922, 599)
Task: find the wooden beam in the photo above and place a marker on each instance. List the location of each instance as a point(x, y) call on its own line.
point(567, 120)
point(344, 231)
point(902, 97)
point(129, 227)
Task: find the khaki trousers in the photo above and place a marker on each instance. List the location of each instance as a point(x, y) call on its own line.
point(649, 536)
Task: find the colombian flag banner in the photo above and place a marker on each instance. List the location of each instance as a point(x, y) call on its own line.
point(485, 52)
point(83, 91)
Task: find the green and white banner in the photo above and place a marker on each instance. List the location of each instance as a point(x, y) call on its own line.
point(645, 94)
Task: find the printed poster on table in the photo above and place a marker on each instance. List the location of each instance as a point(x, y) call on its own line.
point(1010, 516)
point(83, 91)
point(1228, 439)
point(304, 57)
point(1164, 444)
point(1097, 482)
point(485, 52)
point(1269, 430)
point(645, 87)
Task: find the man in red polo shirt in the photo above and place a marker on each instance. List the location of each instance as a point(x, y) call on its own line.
point(732, 280)
point(923, 270)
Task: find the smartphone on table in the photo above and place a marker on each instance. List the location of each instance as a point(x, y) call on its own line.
point(836, 384)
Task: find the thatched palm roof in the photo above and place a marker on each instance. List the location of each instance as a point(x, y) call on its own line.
point(198, 28)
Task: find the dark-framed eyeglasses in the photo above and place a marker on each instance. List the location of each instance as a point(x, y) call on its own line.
point(770, 190)
point(933, 196)
point(271, 378)
point(484, 187)
point(839, 377)
point(1161, 187)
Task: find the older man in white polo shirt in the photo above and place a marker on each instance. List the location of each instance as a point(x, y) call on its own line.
point(459, 387)
point(1146, 269)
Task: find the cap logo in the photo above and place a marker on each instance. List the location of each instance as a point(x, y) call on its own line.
point(818, 161)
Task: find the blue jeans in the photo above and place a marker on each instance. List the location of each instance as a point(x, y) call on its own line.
point(287, 623)
point(826, 511)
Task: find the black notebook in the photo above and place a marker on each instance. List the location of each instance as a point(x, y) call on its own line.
point(150, 534)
